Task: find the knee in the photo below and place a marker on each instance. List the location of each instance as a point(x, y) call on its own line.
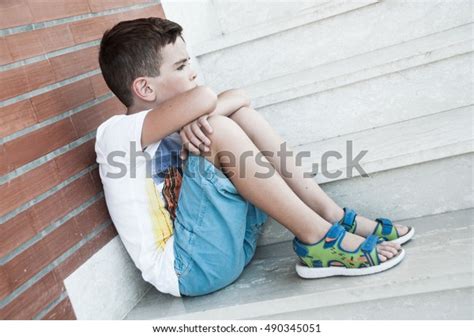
point(220, 121)
point(222, 127)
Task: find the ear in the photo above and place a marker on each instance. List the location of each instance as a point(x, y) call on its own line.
point(144, 89)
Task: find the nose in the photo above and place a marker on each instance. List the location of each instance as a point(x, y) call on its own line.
point(193, 74)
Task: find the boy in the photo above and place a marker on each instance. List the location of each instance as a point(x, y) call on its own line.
point(187, 216)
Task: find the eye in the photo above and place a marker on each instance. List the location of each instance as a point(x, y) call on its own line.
point(182, 66)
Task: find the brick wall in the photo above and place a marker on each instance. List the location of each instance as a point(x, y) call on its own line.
point(52, 98)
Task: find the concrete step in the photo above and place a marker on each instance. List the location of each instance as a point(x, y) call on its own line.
point(410, 307)
point(362, 103)
point(438, 263)
point(250, 56)
point(405, 143)
point(365, 66)
point(411, 191)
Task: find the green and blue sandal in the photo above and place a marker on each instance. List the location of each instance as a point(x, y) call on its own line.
point(384, 228)
point(327, 258)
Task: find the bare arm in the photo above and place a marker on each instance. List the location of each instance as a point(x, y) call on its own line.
point(176, 112)
point(193, 138)
point(230, 101)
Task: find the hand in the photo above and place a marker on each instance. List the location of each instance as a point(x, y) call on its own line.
point(193, 138)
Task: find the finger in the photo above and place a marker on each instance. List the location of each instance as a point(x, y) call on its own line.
point(204, 123)
point(195, 141)
point(183, 136)
point(198, 133)
point(193, 149)
point(184, 154)
point(189, 146)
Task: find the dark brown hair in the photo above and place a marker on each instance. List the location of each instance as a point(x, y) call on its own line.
point(132, 49)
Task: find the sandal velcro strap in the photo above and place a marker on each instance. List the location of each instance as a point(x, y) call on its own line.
point(369, 244)
point(335, 233)
point(348, 220)
point(368, 248)
point(386, 225)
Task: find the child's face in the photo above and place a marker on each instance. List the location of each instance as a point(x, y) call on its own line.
point(176, 75)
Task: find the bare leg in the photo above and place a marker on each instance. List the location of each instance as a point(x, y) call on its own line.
point(265, 138)
point(270, 193)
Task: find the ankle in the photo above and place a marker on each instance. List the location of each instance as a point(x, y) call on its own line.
point(313, 237)
point(334, 215)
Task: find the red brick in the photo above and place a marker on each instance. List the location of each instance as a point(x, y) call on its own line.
point(92, 217)
point(100, 5)
point(73, 162)
point(62, 311)
point(25, 45)
point(68, 266)
point(63, 238)
point(31, 302)
point(89, 29)
point(52, 103)
point(37, 42)
point(45, 140)
point(16, 117)
point(156, 11)
point(28, 263)
point(38, 180)
point(57, 37)
point(25, 265)
point(62, 202)
point(86, 251)
point(5, 55)
point(77, 93)
point(99, 86)
point(5, 166)
point(13, 83)
point(14, 13)
point(75, 63)
point(15, 232)
point(5, 287)
point(17, 81)
point(93, 29)
point(28, 223)
point(54, 9)
point(49, 104)
point(114, 109)
point(39, 74)
point(95, 244)
point(75, 229)
point(89, 119)
point(27, 186)
point(30, 77)
point(96, 178)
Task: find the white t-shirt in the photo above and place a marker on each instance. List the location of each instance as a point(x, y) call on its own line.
point(141, 191)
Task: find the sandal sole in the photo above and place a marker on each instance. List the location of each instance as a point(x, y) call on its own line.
point(325, 272)
point(405, 238)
